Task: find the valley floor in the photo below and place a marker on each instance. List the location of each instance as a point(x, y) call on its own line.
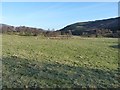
point(29, 61)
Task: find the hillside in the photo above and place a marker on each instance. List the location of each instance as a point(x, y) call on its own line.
point(106, 26)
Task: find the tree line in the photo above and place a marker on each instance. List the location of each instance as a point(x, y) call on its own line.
point(30, 31)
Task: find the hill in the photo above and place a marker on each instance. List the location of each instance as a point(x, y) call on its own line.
point(107, 28)
point(104, 27)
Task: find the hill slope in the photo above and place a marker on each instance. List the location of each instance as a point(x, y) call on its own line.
point(80, 27)
point(107, 27)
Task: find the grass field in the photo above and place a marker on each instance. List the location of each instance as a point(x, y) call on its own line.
point(30, 61)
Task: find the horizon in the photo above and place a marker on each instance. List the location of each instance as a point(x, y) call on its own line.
point(47, 15)
point(62, 27)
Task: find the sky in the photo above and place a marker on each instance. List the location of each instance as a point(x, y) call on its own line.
point(49, 15)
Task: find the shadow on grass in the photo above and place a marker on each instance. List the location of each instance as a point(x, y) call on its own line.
point(20, 72)
point(115, 46)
